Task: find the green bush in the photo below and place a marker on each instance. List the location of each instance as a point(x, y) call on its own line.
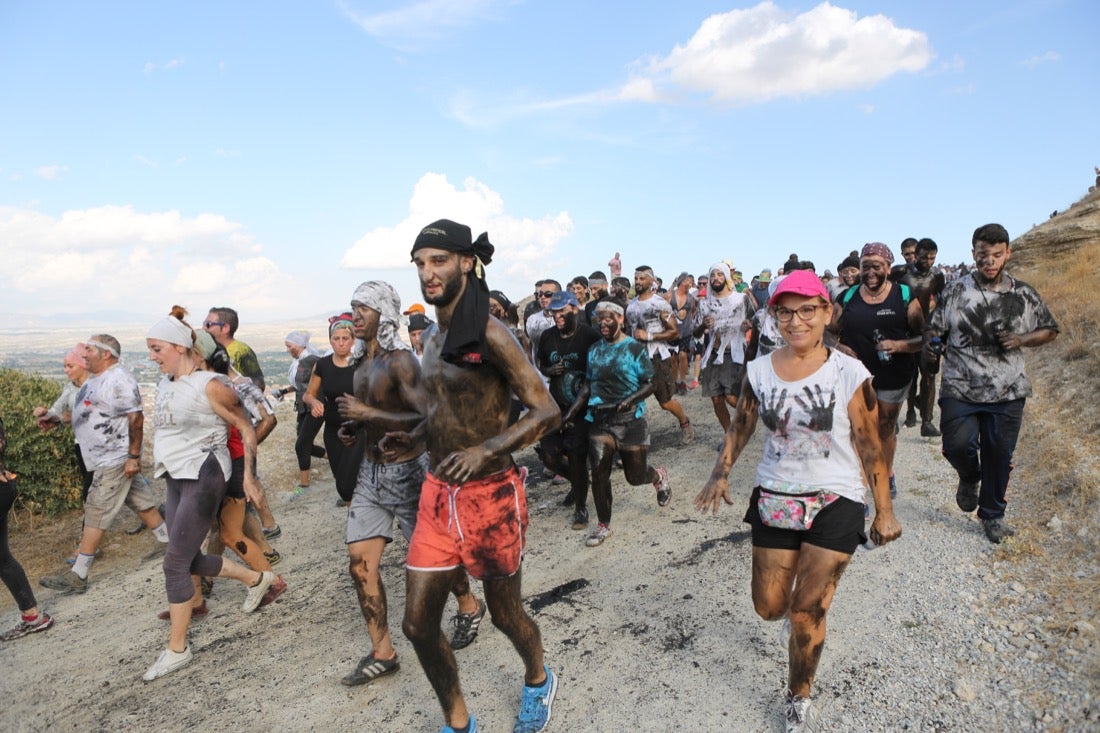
point(45, 462)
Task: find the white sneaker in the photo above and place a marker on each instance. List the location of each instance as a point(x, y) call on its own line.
point(599, 534)
point(256, 592)
point(798, 714)
point(167, 663)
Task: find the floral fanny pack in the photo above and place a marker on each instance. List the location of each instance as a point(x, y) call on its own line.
point(792, 511)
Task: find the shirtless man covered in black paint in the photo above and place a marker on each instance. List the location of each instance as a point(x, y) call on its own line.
point(473, 508)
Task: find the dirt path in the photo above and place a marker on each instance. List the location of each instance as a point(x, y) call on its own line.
point(653, 631)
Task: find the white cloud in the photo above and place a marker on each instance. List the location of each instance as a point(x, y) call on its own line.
point(411, 25)
point(746, 56)
point(765, 53)
point(524, 245)
point(113, 257)
point(51, 172)
point(150, 67)
point(1049, 56)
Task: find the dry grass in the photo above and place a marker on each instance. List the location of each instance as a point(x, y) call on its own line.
point(1058, 473)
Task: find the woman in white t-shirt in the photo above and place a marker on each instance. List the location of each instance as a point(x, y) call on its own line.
point(806, 512)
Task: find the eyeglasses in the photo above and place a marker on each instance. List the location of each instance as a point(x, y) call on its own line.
point(805, 313)
point(211, 324)
point(545, 293)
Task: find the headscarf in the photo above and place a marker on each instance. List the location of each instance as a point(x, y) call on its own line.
point(878, 249)
point(380, 296)
point(205, 344)
point(170, 329)
point(722, 338)
point(341, 320)
point(465, 340)
point(298, 338)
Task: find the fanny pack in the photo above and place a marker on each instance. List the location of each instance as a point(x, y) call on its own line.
point(792, 511)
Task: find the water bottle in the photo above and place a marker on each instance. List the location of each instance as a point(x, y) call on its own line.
point(884, 356)
point(935, 350)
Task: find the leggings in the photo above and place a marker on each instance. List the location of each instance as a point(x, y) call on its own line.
point(11, 572)
point(344, 461)
point(190, 508)
point(308, 427)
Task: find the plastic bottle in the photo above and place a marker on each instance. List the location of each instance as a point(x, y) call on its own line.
point(935, 350)
point(884, 356)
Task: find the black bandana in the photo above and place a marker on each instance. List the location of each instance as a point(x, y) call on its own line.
point(465, 340)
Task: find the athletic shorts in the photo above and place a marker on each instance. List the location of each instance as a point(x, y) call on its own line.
point(628, 432)
point(893, 396)
point(480, 525)
point(663, 385)
point(719, 380)
point(573, 441)
point(384, 492)
point(838, 526)
point(110, 491)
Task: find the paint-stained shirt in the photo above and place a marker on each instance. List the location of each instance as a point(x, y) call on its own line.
point(650, 315)
point(244, 361)
point(572, 352)
point(101, 413)
point(616, 371)
point(968, 318)
point(808, 435)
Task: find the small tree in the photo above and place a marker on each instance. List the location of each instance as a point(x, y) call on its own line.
point(45, 463)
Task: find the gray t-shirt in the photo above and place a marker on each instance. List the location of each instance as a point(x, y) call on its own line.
point(101, 416)
point(968, 318)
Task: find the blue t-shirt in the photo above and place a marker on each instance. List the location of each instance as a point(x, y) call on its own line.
point(616, 371)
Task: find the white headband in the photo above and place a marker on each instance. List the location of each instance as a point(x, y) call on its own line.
point(607, 305)
point(100, 345)
point(173, 331)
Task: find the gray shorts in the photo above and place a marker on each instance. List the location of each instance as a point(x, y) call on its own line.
point(110, 491)
point(893, 396)
point(722, 379)
point(627, 430)
point(384, 492)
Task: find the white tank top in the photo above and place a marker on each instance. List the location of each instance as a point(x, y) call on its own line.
point(187, 429)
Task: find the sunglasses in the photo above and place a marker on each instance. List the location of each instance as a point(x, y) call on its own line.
point(211, 324)
point(545, 293)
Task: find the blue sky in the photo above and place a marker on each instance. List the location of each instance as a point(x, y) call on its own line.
point(272, 156)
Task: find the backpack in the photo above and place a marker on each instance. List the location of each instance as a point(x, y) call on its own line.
point(850, 293)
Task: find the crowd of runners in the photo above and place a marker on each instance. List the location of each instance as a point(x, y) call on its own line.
point(419, 433)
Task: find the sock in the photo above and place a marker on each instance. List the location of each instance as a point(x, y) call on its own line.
point(161, 532)
point(463, 729)
point(82, 565)
point(29, 619)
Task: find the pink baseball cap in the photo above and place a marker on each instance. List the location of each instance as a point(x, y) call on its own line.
point(800, 282)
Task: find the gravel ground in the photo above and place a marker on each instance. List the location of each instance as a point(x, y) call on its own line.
point(653, 631)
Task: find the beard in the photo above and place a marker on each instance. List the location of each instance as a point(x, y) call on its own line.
point(451, 289)
point(718, 287)
point(568, 324)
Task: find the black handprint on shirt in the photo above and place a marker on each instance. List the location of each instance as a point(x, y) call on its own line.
point(769, 412)
point(821, 415)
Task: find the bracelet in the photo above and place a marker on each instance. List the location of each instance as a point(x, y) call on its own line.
point(131, 456)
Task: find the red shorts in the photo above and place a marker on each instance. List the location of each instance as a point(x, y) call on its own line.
point(479, 525)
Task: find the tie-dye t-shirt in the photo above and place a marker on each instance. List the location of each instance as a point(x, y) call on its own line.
point(808, 435)
point(616, 371)
point(968, 317)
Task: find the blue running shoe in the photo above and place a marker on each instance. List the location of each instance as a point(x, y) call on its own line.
point(534, 711)
point(471, 729)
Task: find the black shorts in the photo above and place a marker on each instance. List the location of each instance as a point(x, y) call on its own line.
point(664, 388)
point(234, 487)
point(838, 526)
